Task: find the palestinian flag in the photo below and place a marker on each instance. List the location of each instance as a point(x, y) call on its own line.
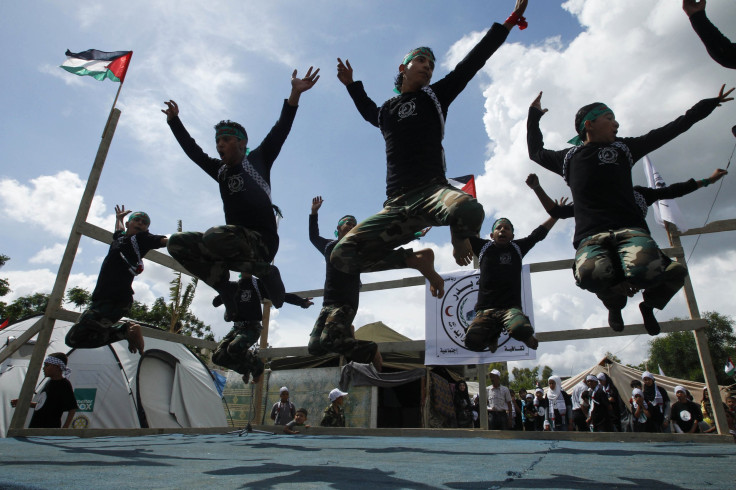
point(98, 64)
point(466, 183)
point(730, 368)
point(4, 324)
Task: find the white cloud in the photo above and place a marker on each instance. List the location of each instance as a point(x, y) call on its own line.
point(50, 202)
point(51, 255)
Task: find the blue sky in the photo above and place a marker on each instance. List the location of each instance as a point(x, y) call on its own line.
point(221, 60)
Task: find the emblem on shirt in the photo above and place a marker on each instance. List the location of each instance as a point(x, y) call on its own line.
point(407, 109)
point(607, 155)
point(235, 183)
point(504, 258)
point(245, 296)
point(458, 308)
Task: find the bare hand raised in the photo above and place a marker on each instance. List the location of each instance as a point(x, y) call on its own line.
point(724, 96)
point(120, 213)
point(717, 175)
point(537, 103)
point(301, 85)
point(692, 6)
point(171, 111)
point(344, 72)
point(532, 181)
point(316, 204)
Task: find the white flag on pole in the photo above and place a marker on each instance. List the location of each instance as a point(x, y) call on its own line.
point(664, 209)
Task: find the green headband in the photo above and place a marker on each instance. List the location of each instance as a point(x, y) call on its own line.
point(421, 51)
point(229, 130)
point(592, 115)
point(495, 223)
point(346, 218)
point(140, 214)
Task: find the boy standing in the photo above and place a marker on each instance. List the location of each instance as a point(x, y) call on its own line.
point(334, 414)
point(333, 330)
point(283, 410)
point(499, 298)
point(249, 241)
point(113, 295)
point(412, 124)
point(56, 397)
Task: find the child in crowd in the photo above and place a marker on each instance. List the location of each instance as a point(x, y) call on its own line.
point(685, 413)
point(56, 397)
point(334, 414)
point(283, 410)
point(113, 295)
point(299, 418)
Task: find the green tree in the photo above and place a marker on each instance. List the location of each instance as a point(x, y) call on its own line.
point(25, 306)
point(501, 366)
point(4, 284)
point(677, 354)
point(79, 297)
point(613, 357)
point(546, 373)
point(524, 378)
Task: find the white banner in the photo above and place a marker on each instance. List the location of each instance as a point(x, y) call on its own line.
point(447, 320)
point(664, 209)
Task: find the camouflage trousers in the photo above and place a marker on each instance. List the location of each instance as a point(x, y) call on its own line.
point(99, 326)
point(234, 352)
point(606, 263)
point(488, 325)
point(211, 255)
point(333, 332)
point(371, 245)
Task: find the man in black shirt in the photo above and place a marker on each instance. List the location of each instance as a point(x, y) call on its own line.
point(333, 331)
point(113, 294)
point(609, 226)
point(249, 241)
point(685, 414)
point(412, 124)
point(499, 297)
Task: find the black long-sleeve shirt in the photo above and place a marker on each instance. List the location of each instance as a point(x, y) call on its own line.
point(647, 197)
point(599, 174)
point(719, 47)
point(340, 288)
point(500, 270)
point(411, 124)
point(244, 200)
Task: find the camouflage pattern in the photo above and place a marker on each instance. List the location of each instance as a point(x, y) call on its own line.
point(371, 246)
point(608, 263)
point(211, 255)
point(99, 325)
point(333, 332)
point(240, 358)
point(488, 325)
point(333, 416)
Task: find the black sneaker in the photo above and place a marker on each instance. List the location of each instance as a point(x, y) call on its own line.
point(275, 290)
point(615, 320)
point(650, 323)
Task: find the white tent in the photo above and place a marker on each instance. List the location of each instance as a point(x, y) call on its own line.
point(167, 387)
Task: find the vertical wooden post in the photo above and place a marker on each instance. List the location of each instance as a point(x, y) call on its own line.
point(427, 397)
point(701, 343)
point(260, 414)
point(483, 396)
point(62, 277)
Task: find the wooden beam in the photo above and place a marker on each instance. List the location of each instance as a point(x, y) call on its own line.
point(714, 227)
point(22, 339)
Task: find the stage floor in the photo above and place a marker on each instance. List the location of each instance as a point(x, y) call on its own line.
point(344, 462)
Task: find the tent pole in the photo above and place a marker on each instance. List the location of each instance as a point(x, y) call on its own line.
point(260, 413)
point(427, 396)
point(62, 277)
point(482, 395)
point(701, 342)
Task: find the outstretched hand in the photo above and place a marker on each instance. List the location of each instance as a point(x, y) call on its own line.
point(537, 103)
point(344, 72)
point(301, 85)
point(171, 111)
point(692, 6)
point(717, 175)
point(121, 213)
point(724, 96)
point(316, 204)
point(562, 201)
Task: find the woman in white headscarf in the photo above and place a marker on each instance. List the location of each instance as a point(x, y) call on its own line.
point(559, 404)
point(642, 412)
point(659, 399)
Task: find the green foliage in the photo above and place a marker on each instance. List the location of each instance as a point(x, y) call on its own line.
point(529, 378)
point(79, 297)
point(32, 304)
point(677, 354)
point(4, 284)
point(501, 366)
point(613, 357)
point(546, 373)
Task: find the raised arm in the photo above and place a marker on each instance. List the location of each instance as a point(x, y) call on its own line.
point(367, 108)
point(187, 143)
point(547, 202)
point(120, 213)
point(318, 242)
point(301, 85)
point(719, 47)
point(551, 160)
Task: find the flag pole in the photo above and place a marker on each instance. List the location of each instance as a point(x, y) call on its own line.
point(117, 94)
